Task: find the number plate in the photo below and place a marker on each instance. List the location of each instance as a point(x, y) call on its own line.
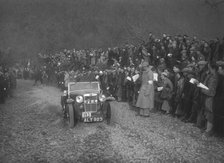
point(93, 119)
point(86, 114)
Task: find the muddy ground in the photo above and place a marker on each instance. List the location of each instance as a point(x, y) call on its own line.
point(32, 130)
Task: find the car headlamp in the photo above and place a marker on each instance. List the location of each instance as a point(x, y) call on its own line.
point(102, 98)
point(65, 93)
point(79, 99)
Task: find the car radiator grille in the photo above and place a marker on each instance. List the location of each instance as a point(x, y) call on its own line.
point(90, 103)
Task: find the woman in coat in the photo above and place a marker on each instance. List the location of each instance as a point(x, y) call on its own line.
point(137, 86)
point(218, 102)
point(145, 101)
point(120, 81)
point(167, 92)
point(211, 82)
point(178, 93)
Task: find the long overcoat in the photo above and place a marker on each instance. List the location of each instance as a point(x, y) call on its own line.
point(168, 90)
point(218, 104)
point(146, 94)
point(211, 82)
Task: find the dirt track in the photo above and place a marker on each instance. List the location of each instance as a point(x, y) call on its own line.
point(32, 130)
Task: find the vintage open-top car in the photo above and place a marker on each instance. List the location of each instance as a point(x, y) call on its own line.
point(84, 101)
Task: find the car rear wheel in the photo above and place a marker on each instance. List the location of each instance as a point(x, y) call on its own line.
point(71, 116)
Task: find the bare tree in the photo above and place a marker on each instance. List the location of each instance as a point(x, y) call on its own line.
point(136, 30)
point(214, 3)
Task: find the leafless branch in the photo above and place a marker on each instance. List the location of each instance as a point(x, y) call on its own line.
point(213, 4)
point(135, 31)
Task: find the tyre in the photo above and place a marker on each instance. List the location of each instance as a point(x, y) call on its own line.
point(107, 108)
point(62, 101)
point(71, 118)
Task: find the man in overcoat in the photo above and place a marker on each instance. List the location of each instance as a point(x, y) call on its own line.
point(145, 102)
point(206, 113)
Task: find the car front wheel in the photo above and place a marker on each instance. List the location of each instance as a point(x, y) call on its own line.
point(107, 110)
point(71, 112)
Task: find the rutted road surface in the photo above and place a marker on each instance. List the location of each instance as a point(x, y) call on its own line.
point(32, 130)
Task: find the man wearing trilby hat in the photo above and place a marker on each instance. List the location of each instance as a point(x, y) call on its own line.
point(145, 101)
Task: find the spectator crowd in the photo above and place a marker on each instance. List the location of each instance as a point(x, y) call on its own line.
point(176, 75)
point(180, 76)
point(7, 83)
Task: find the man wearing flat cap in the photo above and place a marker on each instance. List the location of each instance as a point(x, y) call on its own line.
point(218, 102)
point(201, 73)
point(145, 101)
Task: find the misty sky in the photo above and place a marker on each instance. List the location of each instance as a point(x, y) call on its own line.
point(32, 26)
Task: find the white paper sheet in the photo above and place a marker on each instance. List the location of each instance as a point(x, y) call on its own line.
point(128, 78)
point(202, 86)
point(192, 80)
point(135, 77)
point(159, 88)
point(150, 82)
point(155, 76)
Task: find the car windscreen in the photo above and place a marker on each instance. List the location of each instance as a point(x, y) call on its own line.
point(84, 86)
